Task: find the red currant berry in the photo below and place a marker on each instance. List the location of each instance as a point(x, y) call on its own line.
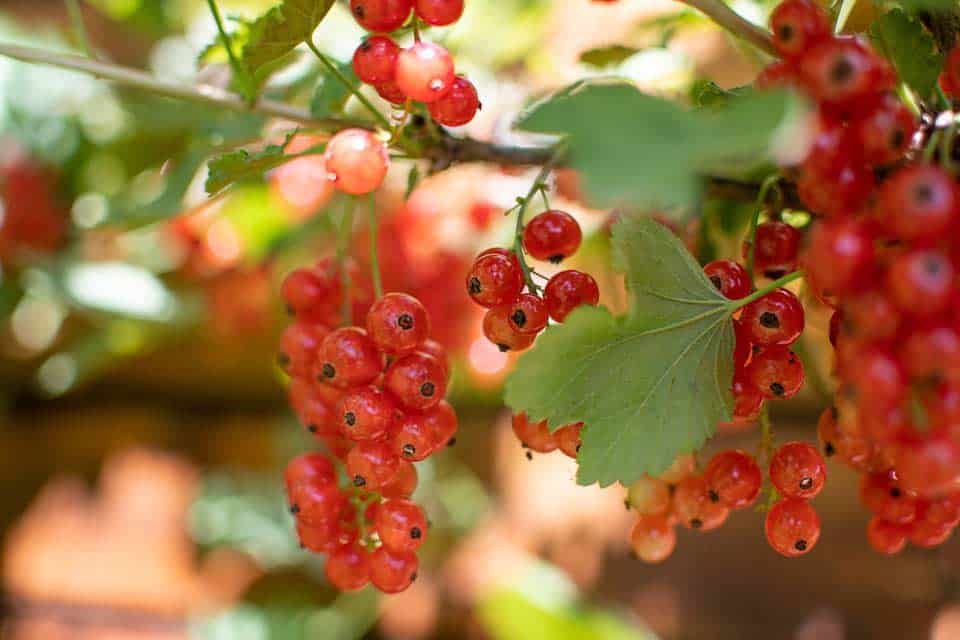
point(398, 323)
point(403, 485)
point(381, 15)
point(653, 538)
point(776, 318)
point(458, 106)
point(777, 246)
point(797, 470)
point(845, 72)
point(552, 235)
point(776, 372)
point(733, 479)
point(796, 25)
point(416, 439)
point(375, 60)
point(499, 330)
point(871, 315)
point(309, 468)
point(747, 401)
point(792, 527)
point(920, 282)
point(730, 279)
point(372, 465)
point(928, 536)
point(401, 525)
point(840, 256)
point(943, 511)
point(425, 72)
point(919, 203)
point(311, 294)
point(392, 572)
point(439, 13)
point(535, 436)
point(315, 406)
point(348, 567)
point(886, 131)
point(932, 353)
point(299, 345)
point(442, 420)
point(417, 381)
point(528, 314)
point(494, 279)
point(317, 539)
point(928, 463)
point(884, 497)
point(348, 358)
point(366, 413)
point(567, 290)
point(390, 92)
point(317, 503)
point(357, 161)
point(649, 496)
point(695, 508)
point(776, 75)
point(568, 439)
point(886, 537)
point(841, 192)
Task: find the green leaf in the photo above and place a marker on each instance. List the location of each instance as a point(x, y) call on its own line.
point(647, 386)
point(413, 178)
point(331, 94)
point(916, 6)
point(640, 152)
point(905, 42)
point(239, 165)
point(707, 93)
point(275, 34)
point(607, 56)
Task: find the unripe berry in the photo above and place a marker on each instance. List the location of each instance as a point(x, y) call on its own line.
point(357, 161)
point(425, 72)
point(653, 538)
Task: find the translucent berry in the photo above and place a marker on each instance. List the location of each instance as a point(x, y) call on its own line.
point(653, 538)
point(776, 318)
point(730, 278)
point(535, 436)
point(567, 290)
point(499, 330)
point(695, 508)
point(777, 245)
point(348, 567)
point(919, 202)
point(886, 537)
point(316, 407)
point(439, 353)
point(870, 315)
point(796, 25)
point(348, 358)
point(313, 468)
point(417, 381)
point(439, 13)
point(317, 503)
point(733, 478)
point(883, 495)
point(747, 400)
point(415, 438)
point(381, 16)
point(366, 413)
point(357, 161)
point(528, 314)
point(398, 323)
point(920, 282)
point(318, 539)
point(403, 485)
point(375, 60)
point(401, 525)
point(299, 345)
point(649, 496)
point(393, 572)
point(552, 235)
point(776, 372)
point(792, 527)
point(840, 256)
point(568, 439)
point(310, 294)
point(458, 106)
point(494, 279)
point(845, 72)
point(928, 464)
point(886, 131)
point(425, 72)
point(372, 465)
point(390, 92)
point(797, 470)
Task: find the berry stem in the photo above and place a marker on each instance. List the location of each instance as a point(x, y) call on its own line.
point(765, 187)
point(538, 185)
point(907, 97)
point(765, 446)
point(238, 71)
point(724, 16)
point(945, 103)
point(343, 240)
point(374, 248)
point(932, 145)
point(733, 305)
point(332, 68)
point(79, 29)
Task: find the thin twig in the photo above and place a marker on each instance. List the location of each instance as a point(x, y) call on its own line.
point(332, 68)
point(239, 73)
point(538, 185)
point(79, 28)
point(727, 18)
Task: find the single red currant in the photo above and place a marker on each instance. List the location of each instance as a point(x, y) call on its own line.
point(653, 538)
point(796, 25)
point(366, 413)
point(415, 438)
point(381, 15)
point(398, 323)
point(425, 72)
point(733, 479)
point(883, 495)
point(535, 436)
point(310, 294)
point(372, 465)
point(568, 439)
point(792, 527)
point(840, 256)
point(317, 503)
point(552, 235)
point(439, 13)
point(348, 567)
point(845, 72)
point(777, 245)
point(315, 406)
point(494, 279)
point(919, 203)
point(392, 572)
point(299, 345)
point(928, 463)
point(499, 331)
point(649, 496)
point(776, 372)
point(886, 131)
point(458, 106)
point(401, 525)
point(403, 485)
point(357, 161)
point(730, 279)
point(348, 358)
point(375, 60)
point(920, 282)
point(797, 470)
point(870, 315)
point(694, 507)
point(567, 290)
point(776, 318)
point(417, 381)
point(528, 314)
point(309, 468)
point(886, 537)
point(878, 377)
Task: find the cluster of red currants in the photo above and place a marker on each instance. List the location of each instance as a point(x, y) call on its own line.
point(764, 365)
point(497, 278)
point(423, 72)
point(731, 481)
point(882, 255)
point(536, 436)
point(374, 396)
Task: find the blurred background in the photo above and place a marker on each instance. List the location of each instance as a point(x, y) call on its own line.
point(144, 425)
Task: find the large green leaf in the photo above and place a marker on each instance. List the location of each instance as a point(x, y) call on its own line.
point(647, 386)
point(640, 152)
point(905, 42)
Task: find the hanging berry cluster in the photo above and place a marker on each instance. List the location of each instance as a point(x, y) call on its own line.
point(497, 279)
point(423, 72)
point(374, 396)
point(882, 254)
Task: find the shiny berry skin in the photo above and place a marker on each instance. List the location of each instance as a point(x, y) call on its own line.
point(390, 92)
point(776, 372)
point(797, 470)
point(792, 527)
point(919, 203)
point(886, 131)
point(845, 72)
point(458, 106)
point(928, 464)
point(375, 60)
point(315, 407)
point(417, 381)
point(372, 465)
point(311, 468)
point(416, 438)
point(649, 496)
point(310, 294)
point(381, 16)
point(528, 314)
point(366, 413)
point(776, 318)
point(494, 279)
point(928, 536)
point(499, 331)
point(425, 72)
point(694, 507)
point(317, 539)
point(535, 436)
point(403, 485)
point(653, 538)
point(842, 191)
point(567, 290)
point(433, 348)
point(733, 478)
point(840, 256)
point(442, 419)
point(931, 353)
point(317, 503)
point(392, 572)
point(401, 525)
point(747, 400)
point(398, 323)
point(885, 537)
point(299, 345)
point(552, 235)
point(348, 358)
point(439, 13)
point(776, 75)
point(348, 567)
point(796, 25)
point(357, 161)
point(568, 439)
point(777, 246)
point(887, 499)
point(870, 315)
point(920, 282)
point(730, 278)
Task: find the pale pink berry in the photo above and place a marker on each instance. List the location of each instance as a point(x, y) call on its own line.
point(425, 72)
point(357, 161)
